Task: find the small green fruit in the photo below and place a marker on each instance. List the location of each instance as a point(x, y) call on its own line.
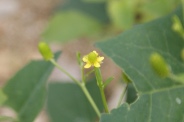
point(159, 65)
point(177, 25)
point(45, 51)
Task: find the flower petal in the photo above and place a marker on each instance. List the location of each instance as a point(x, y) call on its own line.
point(88, 65)
point(95, 53)
point(97, 64)
point(99, 59)
point(85, 58)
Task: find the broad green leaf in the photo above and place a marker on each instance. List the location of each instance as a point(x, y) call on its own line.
point(67, 103)
point(68, 25)
point(96, 10)
point(131, 94)
point(26, 91)
point(159, 100)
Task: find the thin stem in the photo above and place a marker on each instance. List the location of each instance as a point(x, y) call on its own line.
point(104, 100)
point(84, 89)
point(82, 85)
point(122, 96)
point(82, 74)
point(175, 78)
point(101, 87)
point(65, 72)
point(88, 73)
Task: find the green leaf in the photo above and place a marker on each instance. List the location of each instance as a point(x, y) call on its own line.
point(159, 100)
point(68, 25)
point(95, 10)
point(26, 91)
point(131, 94)
point(67, 102)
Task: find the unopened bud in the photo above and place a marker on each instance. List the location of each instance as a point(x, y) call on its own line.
point(45, 51)
point(177, 26)
point(159, 65)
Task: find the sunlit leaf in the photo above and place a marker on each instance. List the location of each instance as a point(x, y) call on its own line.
point(26, 91)
point(159, 100)
point(65, 26)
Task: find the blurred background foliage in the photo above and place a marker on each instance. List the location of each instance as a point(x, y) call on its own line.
point(98, 19)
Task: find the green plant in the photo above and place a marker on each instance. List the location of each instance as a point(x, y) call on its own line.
point(151, 58)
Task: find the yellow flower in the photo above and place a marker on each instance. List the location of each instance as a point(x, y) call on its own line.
point(92, 59)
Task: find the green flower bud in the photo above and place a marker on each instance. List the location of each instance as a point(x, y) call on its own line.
point(45, 51)
point(159, 65)
point(177, 26)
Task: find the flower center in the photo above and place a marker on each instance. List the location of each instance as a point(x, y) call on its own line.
point(92, 57)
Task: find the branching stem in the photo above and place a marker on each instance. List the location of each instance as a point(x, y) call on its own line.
point(81, 85)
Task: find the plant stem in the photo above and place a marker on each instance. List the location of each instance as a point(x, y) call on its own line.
point(104, 100)
point(82, 74)
point(82, 86)
point(101, 87)
point(84, 89)
point(122, 96)
point(175, 78)
point(88, 73)
point(65, 72)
